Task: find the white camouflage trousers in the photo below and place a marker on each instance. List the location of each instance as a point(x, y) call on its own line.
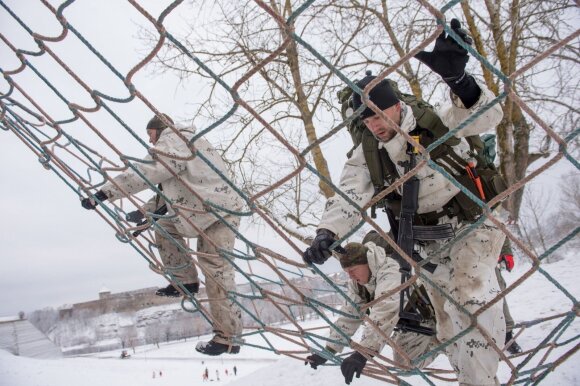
point(219, 273)
point(466, 273)
point(414, 345)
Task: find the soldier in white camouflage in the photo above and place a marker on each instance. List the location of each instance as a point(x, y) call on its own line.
point(466, 263)
point(416, 345)
point(373, 274)
point(187, 181)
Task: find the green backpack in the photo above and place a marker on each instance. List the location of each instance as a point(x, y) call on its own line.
point(429, 129)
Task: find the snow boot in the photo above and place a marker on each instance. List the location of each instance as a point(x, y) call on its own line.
point(514, 347)
point(172, 292)
point(214, 348)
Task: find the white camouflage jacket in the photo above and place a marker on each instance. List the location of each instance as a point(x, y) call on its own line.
point(194, 173)
point(434, 189)
point(385, 277)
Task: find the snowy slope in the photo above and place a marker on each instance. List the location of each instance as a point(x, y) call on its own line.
point(20, 337)
point(181, 365)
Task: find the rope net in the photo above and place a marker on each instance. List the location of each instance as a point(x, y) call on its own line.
point(59, 127)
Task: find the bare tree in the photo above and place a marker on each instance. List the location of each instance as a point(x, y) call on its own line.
point(520, 31)
point(508, 35)
point(568, 217)
point(544, 225)
point(534, 214)
point(294, 94)
point(289, 93)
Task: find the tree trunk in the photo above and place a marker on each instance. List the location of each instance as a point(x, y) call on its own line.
point(306, 115)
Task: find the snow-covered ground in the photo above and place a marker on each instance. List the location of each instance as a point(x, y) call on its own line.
point(181, 365)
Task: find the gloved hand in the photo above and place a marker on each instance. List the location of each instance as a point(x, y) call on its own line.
point(90, 203)
point(507, 260)
point(319, 251)
point(355, 363)
point(315, 360)
point(448, 58)
point(135, 216)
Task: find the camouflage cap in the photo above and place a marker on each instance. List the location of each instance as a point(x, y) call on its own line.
point(375, 237)
point(157, 123)
point(356, 254)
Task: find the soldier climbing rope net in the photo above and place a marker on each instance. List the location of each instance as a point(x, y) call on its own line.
point(85, 162)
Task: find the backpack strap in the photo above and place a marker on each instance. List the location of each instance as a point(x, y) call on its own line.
point(373, 159)
point(380, 166)
point(364, 293)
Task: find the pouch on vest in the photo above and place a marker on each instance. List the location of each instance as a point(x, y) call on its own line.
point(431, 128)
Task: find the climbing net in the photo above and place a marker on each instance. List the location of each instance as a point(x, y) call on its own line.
point(59, 127)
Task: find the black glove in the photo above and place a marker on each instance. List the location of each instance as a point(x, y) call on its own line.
point(315, 360)
point(448, 58)
point(90, 203)
point(319, 251)
point(355, 363)
point(135, 216)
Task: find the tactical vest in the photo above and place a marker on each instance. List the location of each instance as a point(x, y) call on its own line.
point(429, 128)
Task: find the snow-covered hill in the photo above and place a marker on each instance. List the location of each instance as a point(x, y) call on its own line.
point(20, 337)
point(537, 297)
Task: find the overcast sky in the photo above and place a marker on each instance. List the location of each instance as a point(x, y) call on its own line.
point(52, 251)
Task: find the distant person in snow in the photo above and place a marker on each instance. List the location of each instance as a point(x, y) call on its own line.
point(184, 182)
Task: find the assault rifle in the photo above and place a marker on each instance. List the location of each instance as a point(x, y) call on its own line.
point(407, 325)
point(159, 212)
point(406, 233)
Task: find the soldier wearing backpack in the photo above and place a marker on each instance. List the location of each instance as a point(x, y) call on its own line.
point(464, 264)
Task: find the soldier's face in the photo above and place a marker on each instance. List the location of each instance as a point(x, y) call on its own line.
point(359, 273)
point(153, 136)
point(385, 130)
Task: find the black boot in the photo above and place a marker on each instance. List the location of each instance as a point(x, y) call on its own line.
point(214, 348)
point(514, 347)
point(171, 292)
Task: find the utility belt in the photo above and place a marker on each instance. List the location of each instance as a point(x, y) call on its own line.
point(460, 207)
point(451, 210)
point(488, 184)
